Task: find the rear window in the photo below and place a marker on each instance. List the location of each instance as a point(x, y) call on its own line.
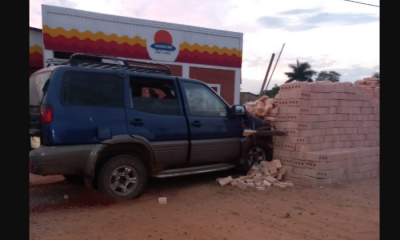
point(36, 84)
point(93, 89)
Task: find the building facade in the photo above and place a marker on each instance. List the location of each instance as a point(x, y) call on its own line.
point(213, 56)
point(248, 97)
point(35, 49)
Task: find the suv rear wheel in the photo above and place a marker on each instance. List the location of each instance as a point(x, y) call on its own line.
point(123, 177)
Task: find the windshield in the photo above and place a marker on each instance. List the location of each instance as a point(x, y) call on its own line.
point(36, 83)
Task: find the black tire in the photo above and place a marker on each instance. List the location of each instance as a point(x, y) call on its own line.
point(121, 185)
point(74, 178)
point(255, 153)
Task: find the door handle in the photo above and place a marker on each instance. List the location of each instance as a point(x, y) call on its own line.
point(196, 124)
point(136, 122)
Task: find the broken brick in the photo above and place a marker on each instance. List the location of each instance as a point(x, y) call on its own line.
point(260, 188)
point(277, 163)
point(279, 185)
point(250, 185)
point(257, 179)
point(271, 179)
point(279, 176)
point(252, 172)
point(241, 185)
point(162, 200)
point(282, 170)
point(225, 181)
point(265, 182)
point(272, 168)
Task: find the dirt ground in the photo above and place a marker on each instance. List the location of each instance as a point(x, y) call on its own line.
point(198, 208)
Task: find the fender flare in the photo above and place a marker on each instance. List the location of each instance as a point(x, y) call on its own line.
point(94, 155)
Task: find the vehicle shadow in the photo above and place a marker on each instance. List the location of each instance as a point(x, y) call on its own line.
point(64, 195)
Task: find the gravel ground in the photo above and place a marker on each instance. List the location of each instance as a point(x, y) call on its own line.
point(53, 193)
point(198, 208)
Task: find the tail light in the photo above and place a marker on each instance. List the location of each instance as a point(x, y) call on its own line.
point(46, 114)
point(30, 166)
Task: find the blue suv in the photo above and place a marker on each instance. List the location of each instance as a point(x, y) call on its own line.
point(115, 122)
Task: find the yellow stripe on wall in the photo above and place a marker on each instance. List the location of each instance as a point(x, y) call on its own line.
point(93, 36)
point(210, 50)
point(35, 48)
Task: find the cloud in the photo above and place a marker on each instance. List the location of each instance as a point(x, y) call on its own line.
point(300, 11)
point(306, 19)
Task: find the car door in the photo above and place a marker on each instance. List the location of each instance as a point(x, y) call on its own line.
point(214, 134)
point(155, 112)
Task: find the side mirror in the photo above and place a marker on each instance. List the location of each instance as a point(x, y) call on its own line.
point(238, 110)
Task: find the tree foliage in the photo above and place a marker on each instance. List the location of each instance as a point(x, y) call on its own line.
point(328, 75)
point(301, 72)
point(271, 93)
point(376, 74)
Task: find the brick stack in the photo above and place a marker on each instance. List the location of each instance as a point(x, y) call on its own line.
point(332, 131)
point(265, 108)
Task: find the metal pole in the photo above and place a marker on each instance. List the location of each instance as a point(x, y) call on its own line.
point(266, 75)
point(273, 70)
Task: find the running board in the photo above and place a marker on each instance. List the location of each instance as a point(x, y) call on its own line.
point(192, 170)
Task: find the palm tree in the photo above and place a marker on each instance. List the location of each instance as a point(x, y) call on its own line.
point(302, 72)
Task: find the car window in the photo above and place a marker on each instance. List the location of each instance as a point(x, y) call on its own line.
point(36, 84)
point(152, 95)
point(94, 89)
point(203, 101)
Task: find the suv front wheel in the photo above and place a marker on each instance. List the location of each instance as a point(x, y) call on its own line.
point(123, 177)
point(255, 153)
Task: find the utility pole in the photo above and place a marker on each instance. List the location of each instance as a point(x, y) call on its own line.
point(273, 70)
point(266, 75)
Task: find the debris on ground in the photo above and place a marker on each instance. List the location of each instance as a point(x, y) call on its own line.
point(260, 176)
point(162, 200)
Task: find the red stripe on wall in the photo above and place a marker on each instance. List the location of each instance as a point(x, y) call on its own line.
point(101, 47)
point(36, 60)
point(215, 59)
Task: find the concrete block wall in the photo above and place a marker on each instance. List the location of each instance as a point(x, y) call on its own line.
point(332, 132)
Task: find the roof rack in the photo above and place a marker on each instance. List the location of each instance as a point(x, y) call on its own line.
point(104, 62)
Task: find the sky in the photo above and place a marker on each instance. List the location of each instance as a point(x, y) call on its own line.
point(331, 35)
